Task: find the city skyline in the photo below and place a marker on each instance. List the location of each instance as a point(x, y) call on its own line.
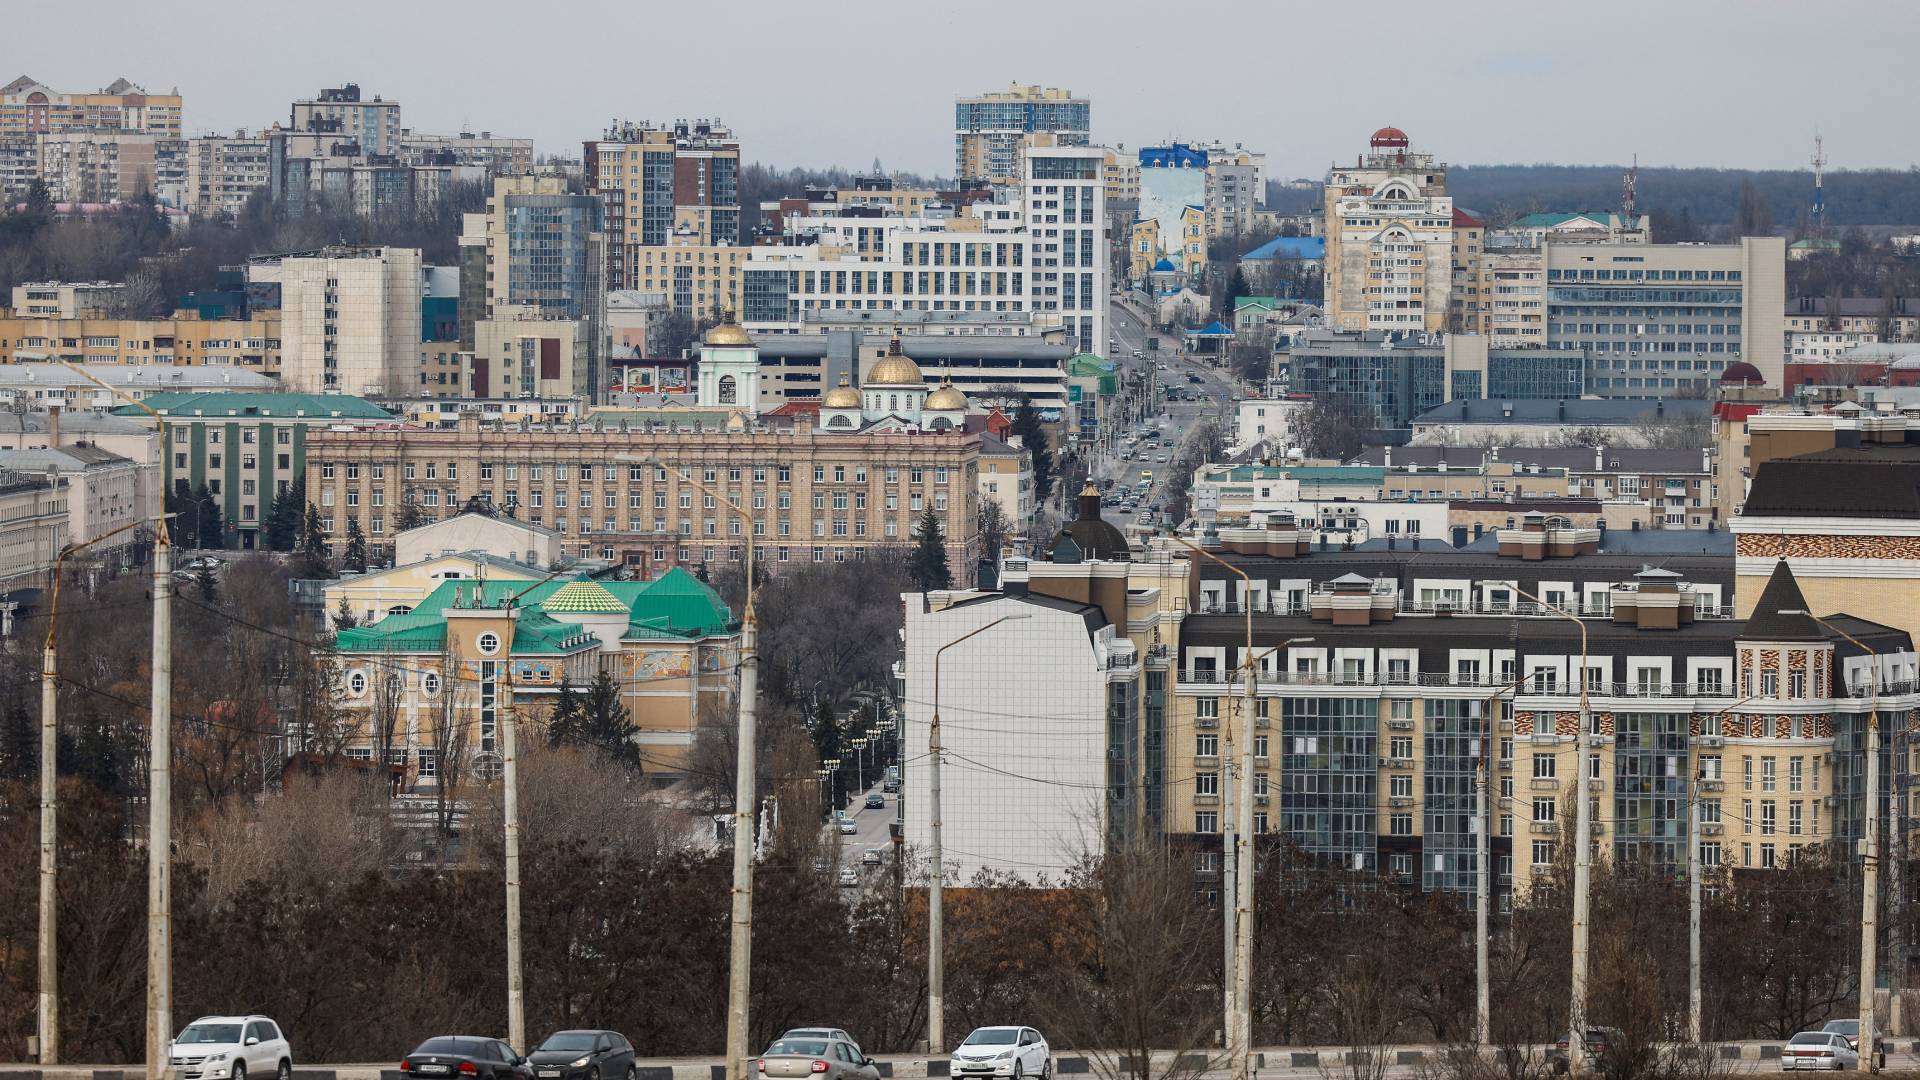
point(1508, 92)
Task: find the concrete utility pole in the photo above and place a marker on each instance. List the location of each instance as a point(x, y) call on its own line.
point(1483, 885)
point(1582, 851)
point(1693, 908)
point(1240, 1068)
point(159, 816)
point(49, 1018)
point(510, 798)
point(936, 886)
point(740, 944)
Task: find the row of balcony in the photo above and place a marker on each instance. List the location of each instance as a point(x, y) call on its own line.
point(1595, 688)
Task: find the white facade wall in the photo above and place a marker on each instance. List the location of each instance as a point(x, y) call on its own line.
point(350, 323)
point(1266, 420)
point(1023, 728)
point(1067, 218)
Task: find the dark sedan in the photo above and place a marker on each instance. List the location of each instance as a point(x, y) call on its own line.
point(474, 1057)
point(583, 1055)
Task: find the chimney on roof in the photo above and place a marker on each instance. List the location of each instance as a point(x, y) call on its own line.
point(1599, 458)
point(53, 427)
point(1386, 459)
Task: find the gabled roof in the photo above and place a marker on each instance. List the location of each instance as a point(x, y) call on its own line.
point(1770, 621)
point(1464, 220)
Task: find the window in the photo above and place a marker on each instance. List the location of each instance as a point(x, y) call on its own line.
point(1544, 766)
point(1206, 821)
point(1206, 783)
point(488, 643)
point(1543, 809)
point(1400, 746)
point(1543, 853)
point(1767, 778)
point(1206, 745)
point(1400, 825)
point(357, 683)
point(1794, 778)
point(1746, 772)
point(1401, 787)
point(1793, 818)
point(1767, 820)
point(1207, 708)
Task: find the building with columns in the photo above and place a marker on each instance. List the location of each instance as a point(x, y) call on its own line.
point(1390, 224)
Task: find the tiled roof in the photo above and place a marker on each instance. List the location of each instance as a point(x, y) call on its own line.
point(1851, 482)
point(581, 597)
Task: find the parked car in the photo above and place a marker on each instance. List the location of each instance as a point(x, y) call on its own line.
point(1598, 1040)
point(1002, 1051)
point(1819, 1050)
point(815, 1059)
point(1851, 1029)
point(876, 801)
point(231, 1047)
point(474, 1057)
point(820, 1033)
point(583, 1055)
point(849, 878)
point(890, 785)
point(871, 858)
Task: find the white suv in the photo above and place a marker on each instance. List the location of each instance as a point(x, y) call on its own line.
point(231, 1048)
point(1003, 1051)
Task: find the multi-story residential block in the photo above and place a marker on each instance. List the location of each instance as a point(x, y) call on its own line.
point(223, 173)
point(538, 254)
point(350, 320)
point(249, 347)
point(700, 281)
point(991, 131)
point(1373, 726)
point(19, 165)
point(28, 107)
point(248, 448)
point(67, 299)
point(496, 155)
point(1236, 189)
point(80, 166)
point(1390, 236)
point(1384, 384)
point(33, 529)
point(1006, 477)
point(1669, 489)
point(1065, 214)
point(1659, 320)
point(858, 479)
point(340, 114)
point(664, 183)
point(1061, 710)
point(800, 367)
point(1121, 171)
point(443, 676)
point(1855, 319)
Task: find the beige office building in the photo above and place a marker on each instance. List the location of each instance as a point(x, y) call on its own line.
point(663, 185)
point(350, 320)
point(1389, 260)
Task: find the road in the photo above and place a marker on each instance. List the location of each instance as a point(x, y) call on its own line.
point(1130, 333)
point(871, 833)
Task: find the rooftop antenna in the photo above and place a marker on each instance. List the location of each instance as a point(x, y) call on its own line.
point(1819, 192)
point(1628, 181)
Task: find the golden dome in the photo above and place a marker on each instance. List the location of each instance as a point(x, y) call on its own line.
point(841, 397)
point(728, 333)
point(894, 369)
point(947, 398)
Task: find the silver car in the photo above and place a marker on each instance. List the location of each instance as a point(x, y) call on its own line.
point(1819, 1050)
point(815, 1059)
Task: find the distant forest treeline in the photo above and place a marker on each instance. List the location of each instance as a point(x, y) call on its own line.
point(1704, 196)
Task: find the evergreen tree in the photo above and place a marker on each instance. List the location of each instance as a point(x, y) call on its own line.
point(1237, 287)
point(409, 516)
point(354, 561)
point(928, 565)
point(209, 523)
point(343, 617)
point(1033, 436)
point(19, 732)
point(564, 727)
point(825, 729)
point(606, 725)
point(185, 522)
point(208, 584)
point(313, 543)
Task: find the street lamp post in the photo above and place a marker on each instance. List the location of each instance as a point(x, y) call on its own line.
point(936, 887)
point(1870, 858)
point(1582, 852)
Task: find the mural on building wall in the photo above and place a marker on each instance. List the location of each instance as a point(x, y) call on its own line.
point(656, 664)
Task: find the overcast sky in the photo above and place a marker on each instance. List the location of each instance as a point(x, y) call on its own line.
point(1681, 82)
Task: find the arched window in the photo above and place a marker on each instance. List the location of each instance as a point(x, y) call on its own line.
point(727, 390)
point(430, 682)
point(893, 402)
point(839, 422)
point(357, 683)
point(488, 643)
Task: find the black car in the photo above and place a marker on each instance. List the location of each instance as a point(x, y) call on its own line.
point(473, 1056)
point(583, 1055)
point(876, 802)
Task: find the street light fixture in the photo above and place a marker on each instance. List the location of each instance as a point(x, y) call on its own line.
point(936, 888)
point(1870, 861)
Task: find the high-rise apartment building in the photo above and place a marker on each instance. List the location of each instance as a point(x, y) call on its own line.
point(100, 167)
point(339, 112)
point(223, 173)
point(664, 185)
point(498, 155)
point(28, 107)
point(350, 320)
point(537, 254)
point(990, 131)
point(1065, 211)
point(1389, 221)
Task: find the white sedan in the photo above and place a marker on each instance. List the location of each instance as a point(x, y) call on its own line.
point(1003, 1051)
point(1819, 1050)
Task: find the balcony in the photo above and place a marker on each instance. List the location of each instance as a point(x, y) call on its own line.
point(1206, 800)
point(1396, 763)
point(1713, 783)
point(1206, 723)
point(1711, 828)
point(1206, 761)
point(1400, 725)
point(1399, 800)
point(1544, 783)
point(1544, 828)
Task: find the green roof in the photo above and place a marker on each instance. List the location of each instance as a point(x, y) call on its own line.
point(1088, 364)
point(271, 406)
point(674, 605)
point(1255, 301)
point(1338, 474)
